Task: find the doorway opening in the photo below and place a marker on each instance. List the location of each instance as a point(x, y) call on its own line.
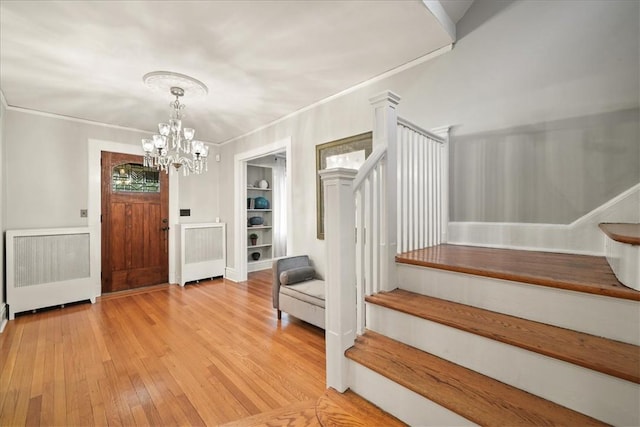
point(266, 210)
point(263, 206)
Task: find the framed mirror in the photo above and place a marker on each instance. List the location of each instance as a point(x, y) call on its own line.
point(346, 152)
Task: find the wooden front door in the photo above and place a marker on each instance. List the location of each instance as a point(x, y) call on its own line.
point(135, 226)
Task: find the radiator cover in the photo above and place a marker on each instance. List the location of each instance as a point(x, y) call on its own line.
point(202, 251)
point(48, 267)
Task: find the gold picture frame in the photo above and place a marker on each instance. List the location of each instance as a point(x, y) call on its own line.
point(364, 141)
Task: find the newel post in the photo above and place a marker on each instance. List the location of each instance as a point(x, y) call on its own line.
point(340, 274)
point(385, 131)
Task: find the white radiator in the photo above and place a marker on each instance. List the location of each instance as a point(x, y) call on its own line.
point(48, 267)
point(202, 251)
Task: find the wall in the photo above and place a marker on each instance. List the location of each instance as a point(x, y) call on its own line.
point(46, 171)
point(564, 167)
point(199, 193)
point(46, 168)
point(337, 119)
point(516, 64)
point(556, 95)
point(47, 175)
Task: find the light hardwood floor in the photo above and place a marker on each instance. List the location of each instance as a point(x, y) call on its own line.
point(205, 354)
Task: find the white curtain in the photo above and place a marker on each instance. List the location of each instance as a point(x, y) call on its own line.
point(280, 208)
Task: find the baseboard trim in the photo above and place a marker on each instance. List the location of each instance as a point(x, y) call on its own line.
point(231, 274)
point(259, 265)
point(534, 237)
point(528, 248)
point(3, 317)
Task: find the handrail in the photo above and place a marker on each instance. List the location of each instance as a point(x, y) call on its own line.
point(368, 166)
point(397, 199)
point(415, 127)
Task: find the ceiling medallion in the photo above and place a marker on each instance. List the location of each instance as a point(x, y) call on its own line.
point(165, 80)
point(175, 145)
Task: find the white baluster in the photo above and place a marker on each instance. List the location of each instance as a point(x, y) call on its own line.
point(360, 257)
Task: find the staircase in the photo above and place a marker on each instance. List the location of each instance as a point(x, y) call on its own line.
point(440, 350)
point(459, 335)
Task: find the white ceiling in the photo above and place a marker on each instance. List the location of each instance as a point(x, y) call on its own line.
point(260, 59)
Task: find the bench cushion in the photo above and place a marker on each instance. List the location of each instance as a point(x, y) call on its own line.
point(311, 291)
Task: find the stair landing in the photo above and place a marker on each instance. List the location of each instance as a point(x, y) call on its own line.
point(581, 273)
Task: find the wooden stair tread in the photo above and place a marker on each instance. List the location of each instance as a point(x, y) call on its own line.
point(474, 396)
point(581, 273)
point(622, 232)
point(349, 409)
point(297, 414)
point(615, 358)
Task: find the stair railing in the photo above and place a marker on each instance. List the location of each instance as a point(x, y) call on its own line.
point(423, 180)
point(390, 196)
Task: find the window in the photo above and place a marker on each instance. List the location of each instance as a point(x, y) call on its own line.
point(135, 178)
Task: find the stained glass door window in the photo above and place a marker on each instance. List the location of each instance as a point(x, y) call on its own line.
point(135, 178)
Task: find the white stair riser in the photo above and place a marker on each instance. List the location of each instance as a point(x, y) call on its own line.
point(399, 401)
point(612, 318)
point(624, 260)
point(572, 386)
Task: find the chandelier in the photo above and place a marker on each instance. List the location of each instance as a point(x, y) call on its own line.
point(174, 144)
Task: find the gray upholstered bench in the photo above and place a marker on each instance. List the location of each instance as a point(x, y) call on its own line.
point(297, 291)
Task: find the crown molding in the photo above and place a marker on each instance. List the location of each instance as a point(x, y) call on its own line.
point(84, 121)
point(73, 119)
point(399, 69)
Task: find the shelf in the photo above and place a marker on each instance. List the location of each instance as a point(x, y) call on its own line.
point(255, 174)
point(260, 246)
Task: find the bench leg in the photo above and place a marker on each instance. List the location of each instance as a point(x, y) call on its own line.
point(279, 314)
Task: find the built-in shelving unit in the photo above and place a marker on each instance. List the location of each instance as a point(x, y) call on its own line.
point(256, 175)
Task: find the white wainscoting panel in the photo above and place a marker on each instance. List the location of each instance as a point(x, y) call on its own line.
point(580, 237)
